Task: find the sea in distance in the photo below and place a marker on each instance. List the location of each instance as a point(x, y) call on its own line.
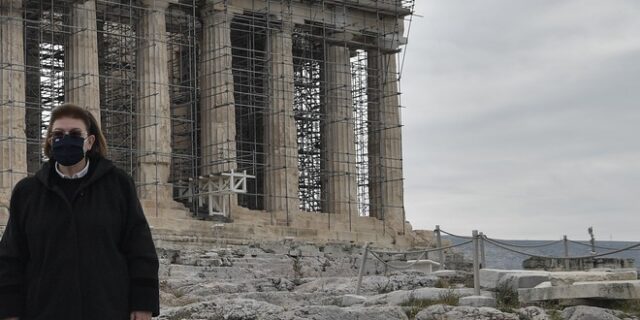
point(499, 258)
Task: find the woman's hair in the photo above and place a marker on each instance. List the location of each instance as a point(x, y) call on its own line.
point(69, 110)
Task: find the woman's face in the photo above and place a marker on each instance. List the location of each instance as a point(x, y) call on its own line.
point(72, 126)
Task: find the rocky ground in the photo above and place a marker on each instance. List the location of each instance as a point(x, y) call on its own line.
point(299, 281)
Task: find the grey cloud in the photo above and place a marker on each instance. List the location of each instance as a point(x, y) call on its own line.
point(522, 117)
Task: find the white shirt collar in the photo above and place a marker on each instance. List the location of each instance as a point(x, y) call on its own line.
point(78, 175)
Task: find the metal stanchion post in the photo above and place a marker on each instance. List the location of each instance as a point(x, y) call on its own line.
point(566, 253)
point(483, 261)
point(439, 243)
point(476, 264)
point(593, 241)
point(365, 252)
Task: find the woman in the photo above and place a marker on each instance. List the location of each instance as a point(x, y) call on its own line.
point(77, 244)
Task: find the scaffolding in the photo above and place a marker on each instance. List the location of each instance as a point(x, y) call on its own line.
point(308, 56)
point(359, 69)
point(203, 106)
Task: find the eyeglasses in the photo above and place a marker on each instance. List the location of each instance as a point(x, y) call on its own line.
point(76, 133)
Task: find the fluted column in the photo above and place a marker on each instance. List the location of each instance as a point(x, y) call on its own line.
point(82, 85)
point(13, 147)
point(338, 136)
point(281, 172)
point(153, 114)
point(217, 104)
point(385, 141)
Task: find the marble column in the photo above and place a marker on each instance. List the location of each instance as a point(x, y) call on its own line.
point(217, 103)
point(82, 85)
point(338, 137)
point(13, 146)
point(385, 141)
point(281, 172)
point(153, 113)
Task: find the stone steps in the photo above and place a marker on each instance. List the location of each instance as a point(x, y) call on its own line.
point(196, 232)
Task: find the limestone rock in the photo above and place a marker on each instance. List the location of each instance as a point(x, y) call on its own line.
point(532, 313)
point(454, 277)
point(288, 300)
point(404, 296)
point(591, 313)
point(463, 313)
point(224, 309)
point(352, 313)
point(434, 312)
point(259, 283)
point(478, 301)
point(370, 284)
point(352, 299)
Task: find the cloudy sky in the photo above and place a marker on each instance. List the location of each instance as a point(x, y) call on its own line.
point(522, 118)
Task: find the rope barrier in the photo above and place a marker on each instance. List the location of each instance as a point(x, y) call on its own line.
point(547, 244)
point(502, 244)
point(596, 246)
point(454, 235)
point(404, 267)
point(376, 254)
point(552, 257)
point(516, 251)
point(423, 251)
point(589, 245)
point(524, 245)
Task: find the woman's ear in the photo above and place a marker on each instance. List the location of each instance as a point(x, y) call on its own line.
point(91, 139)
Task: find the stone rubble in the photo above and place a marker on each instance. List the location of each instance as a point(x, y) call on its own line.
point(304, 282)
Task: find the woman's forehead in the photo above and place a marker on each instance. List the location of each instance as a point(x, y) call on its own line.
point(66, 123)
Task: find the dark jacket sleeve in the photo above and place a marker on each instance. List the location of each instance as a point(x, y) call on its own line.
point(144, 294)
point(13, 259)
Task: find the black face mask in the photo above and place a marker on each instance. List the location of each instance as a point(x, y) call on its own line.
point(68, 150)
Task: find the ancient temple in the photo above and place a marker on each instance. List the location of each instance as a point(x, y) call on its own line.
point(241, 119)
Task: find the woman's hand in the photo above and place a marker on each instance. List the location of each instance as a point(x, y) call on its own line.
point(140, 315)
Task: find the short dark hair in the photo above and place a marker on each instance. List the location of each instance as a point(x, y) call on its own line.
point(70, 110)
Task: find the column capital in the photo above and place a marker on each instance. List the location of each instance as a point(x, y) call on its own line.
point(391, 43)
point(212, 8)
point(340, 38)
point(281, 22)
point(155, 4)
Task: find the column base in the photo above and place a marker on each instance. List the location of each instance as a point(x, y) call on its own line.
point(158, 202)
point(4, 208)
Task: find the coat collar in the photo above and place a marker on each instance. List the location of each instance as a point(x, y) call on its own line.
point(78, 175)
point(103, 166)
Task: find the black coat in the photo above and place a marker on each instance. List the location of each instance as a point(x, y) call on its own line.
point(88, 258)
